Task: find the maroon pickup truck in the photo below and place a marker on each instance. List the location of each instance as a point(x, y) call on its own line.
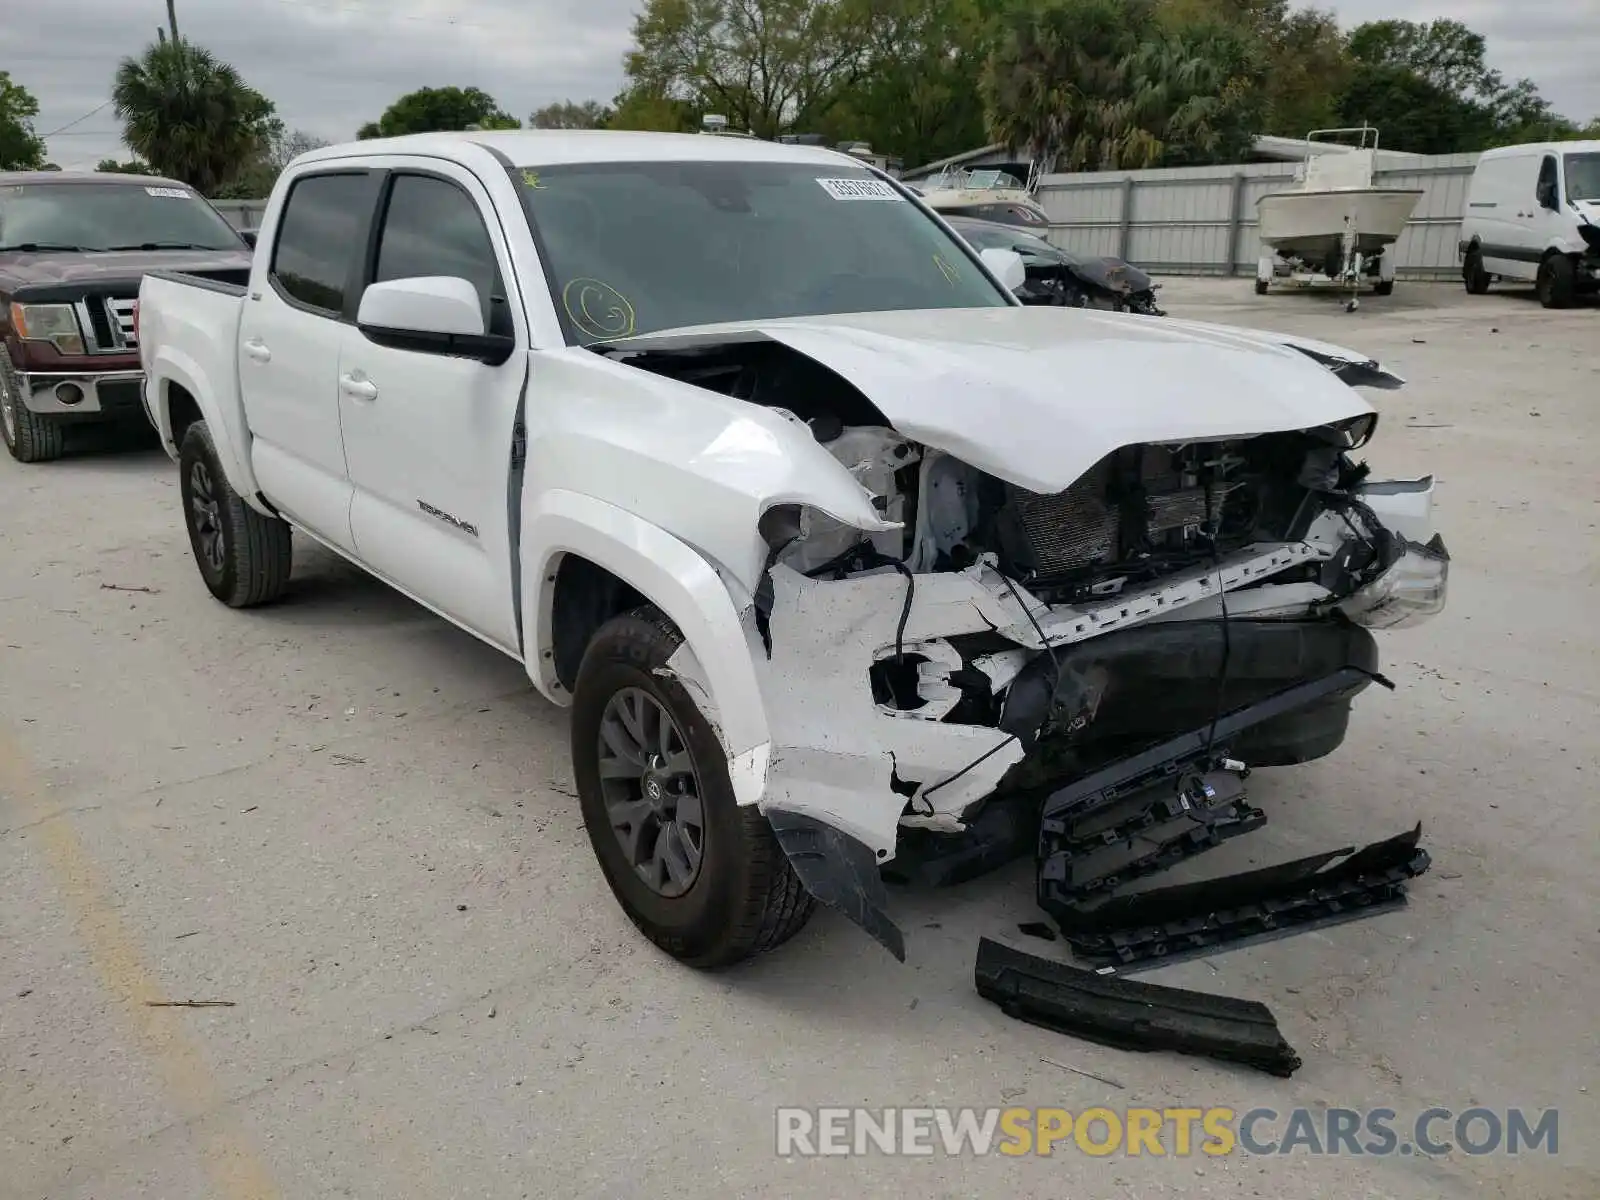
point(73, 248)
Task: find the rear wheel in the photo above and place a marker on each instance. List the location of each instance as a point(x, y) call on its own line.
point(1261, 287)
point(700, 875)
point(30, 437)
point(1473, 273)
point(243, 555)
point(1384, 287)
point(1557, 282)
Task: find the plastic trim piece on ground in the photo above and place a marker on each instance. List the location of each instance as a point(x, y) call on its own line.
point(1131, 1016)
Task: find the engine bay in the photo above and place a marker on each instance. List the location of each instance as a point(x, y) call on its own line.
point(1141, 513)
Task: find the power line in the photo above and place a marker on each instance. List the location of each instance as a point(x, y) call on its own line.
point(70, 124)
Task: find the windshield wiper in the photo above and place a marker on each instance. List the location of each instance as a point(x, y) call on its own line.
point(162, 246)
point(46, 248)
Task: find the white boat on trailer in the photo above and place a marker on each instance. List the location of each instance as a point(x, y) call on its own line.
point(1334, 224)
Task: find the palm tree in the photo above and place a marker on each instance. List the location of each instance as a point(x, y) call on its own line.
point(1064, 84)
point(189, 115)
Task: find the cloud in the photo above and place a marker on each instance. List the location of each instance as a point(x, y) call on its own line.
point(331, 65)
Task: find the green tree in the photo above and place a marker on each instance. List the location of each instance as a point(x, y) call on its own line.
point(571, 114)
point(20, 148)
point(189, 115)
point(645, 107)
point(1107, 84)
point(916, 98)
point(1306, 63)
point(434, 110)
point(113, 167)
point(767, 65)
point(1430, 89)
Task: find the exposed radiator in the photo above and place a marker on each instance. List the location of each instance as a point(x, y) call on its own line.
point(1068, 531)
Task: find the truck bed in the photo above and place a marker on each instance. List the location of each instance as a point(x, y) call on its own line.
point(189, 339)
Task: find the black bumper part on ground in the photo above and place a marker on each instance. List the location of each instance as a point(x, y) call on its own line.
point(1131, 1016)
point(840, 872)
point(1170, 924)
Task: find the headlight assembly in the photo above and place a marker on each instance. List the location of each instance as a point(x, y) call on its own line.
point(53, 323)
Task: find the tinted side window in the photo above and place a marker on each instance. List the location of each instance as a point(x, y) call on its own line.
point(432, 227)
point(321, 236)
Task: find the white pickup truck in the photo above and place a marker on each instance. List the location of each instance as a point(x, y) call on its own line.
point(831, 545)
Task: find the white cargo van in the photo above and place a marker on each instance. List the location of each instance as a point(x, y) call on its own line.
point(1533, 215)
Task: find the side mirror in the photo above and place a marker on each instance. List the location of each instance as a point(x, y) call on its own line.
point(431, 314)
point(1547, 195)
point(1007, 266)
point(248, 237)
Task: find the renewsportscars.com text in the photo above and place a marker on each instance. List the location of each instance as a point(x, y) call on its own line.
point(1165, 1132)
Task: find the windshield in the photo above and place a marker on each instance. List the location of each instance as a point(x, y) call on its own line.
point(999, 237)
point(112, 216)
point(1583, 176)
point(641, 247)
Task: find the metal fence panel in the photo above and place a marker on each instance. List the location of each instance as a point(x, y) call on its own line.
point(1202, 220)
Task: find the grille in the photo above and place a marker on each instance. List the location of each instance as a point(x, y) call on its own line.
point(121, 315)
point(108, 323)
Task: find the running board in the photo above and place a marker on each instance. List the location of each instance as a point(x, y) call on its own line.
point(1131, 1016)
point(1195, 919)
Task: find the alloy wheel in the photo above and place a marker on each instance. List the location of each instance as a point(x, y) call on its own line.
point(651, 791)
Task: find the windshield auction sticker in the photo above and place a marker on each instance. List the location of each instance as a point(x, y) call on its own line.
point(859, 189)
point(170, 193)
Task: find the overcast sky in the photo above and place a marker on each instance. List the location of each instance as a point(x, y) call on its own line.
point(330, 65)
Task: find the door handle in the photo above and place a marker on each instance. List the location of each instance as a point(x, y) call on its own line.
point(358, 389)
point(257, 350)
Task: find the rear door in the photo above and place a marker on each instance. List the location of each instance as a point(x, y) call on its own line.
point(290, 334)
point(1508, 238)
point(428, 436)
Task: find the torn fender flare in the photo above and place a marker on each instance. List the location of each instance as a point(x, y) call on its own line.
point(1128, 1015)
point(677, 580)
point(840, 872)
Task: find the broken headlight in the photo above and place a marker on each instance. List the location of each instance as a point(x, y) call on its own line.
point(1410, 591)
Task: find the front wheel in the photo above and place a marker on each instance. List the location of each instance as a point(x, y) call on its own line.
point(700, 875)
point(1384, 287)
point(1557, 282)
point(244, 556)
point(30, 437)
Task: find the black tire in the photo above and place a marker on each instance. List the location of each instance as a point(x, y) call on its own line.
point(1557, 283)
point(30, 437)
point(1261, 287)
point(1473, 274)
point(1384, 287)
point(244, 556)
point(745, 897)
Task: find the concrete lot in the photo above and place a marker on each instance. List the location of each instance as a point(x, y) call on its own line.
point(357, 825)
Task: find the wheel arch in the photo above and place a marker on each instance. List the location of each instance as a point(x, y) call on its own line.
point(180, 392)
point(584, 561)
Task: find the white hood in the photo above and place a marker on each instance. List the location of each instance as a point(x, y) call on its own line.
point(1037, 396)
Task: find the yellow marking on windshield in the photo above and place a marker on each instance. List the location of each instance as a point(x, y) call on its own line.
point(598, 309)
point(531, 179)
point(947, 269)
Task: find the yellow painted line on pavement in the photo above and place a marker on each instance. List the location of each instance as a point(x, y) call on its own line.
point(232, 1162)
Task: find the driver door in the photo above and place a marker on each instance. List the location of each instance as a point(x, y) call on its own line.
point(427, 435)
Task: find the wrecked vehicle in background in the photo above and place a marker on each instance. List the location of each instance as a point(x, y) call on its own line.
point(1061, 278)
point(837, 551)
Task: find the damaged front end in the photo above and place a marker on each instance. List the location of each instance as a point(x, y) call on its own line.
point(945, 691)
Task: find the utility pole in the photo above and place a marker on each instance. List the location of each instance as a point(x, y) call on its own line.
point(172, 19)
